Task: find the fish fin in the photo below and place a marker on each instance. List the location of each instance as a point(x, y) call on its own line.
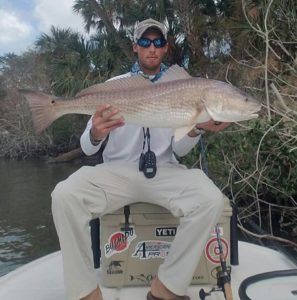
point(175, 72)
point(180, 132)
point(42, 108)
point(116, 84)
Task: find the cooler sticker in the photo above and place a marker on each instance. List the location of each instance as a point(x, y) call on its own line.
point(142, 278)
point(151, 249)
point(212, 252)
point(214, 233)
point(198, 277)
point(118, 242)
point(115, 267)
point(165, 231)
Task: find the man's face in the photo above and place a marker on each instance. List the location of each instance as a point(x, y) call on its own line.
point(150, 58)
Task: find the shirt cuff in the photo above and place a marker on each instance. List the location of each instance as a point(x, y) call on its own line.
point(86, 144)
point(185, 145)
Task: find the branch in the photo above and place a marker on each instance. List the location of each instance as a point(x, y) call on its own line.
point(280, 98)
point(267, 236)
point(266, 60)
point(248, 20)
point(264, 135)
point(66, 157)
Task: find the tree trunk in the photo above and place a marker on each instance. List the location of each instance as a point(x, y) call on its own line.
point(66, 157)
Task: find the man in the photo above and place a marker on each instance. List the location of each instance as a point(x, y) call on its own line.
point(188, 194)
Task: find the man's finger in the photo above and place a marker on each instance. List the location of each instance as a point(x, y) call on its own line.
point(110, 114)
point(112, 125)
point(115, 122)
point(101, 109)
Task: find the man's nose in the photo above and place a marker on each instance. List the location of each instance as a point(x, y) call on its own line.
point(152, 47)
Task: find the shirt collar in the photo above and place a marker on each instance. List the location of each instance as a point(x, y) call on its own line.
point(135, 70)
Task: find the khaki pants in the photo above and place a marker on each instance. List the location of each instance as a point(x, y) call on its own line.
point(93, 191)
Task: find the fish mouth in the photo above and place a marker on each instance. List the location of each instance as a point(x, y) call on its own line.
point(255, 113)
point(233, 116)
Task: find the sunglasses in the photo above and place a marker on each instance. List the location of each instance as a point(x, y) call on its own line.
point(145, 43)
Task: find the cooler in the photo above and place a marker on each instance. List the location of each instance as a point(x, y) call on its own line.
point(132, 257)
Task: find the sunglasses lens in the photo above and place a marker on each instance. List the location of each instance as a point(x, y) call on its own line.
point(159, 43)
point(145, 43)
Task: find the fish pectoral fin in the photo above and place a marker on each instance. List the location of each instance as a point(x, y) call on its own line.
point(180, 132)
point(116, 84)
point(175, 72)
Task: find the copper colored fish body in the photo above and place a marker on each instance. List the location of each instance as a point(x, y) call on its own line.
point(176, 101)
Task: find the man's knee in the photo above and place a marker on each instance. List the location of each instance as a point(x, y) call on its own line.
point(211, 192)
point(62, 194)
point(69, 196)
point(214, 199)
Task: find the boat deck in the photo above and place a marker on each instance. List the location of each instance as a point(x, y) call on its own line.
point(42, 279)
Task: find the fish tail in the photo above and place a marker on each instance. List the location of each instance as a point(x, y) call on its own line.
point(42, 108)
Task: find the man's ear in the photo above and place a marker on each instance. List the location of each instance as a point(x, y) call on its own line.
point(134, 47)
point(166, 48)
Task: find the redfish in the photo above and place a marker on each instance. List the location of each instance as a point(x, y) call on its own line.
point(176, 101)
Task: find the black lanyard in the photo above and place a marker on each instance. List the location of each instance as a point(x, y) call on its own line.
point(147, 160)
point(146, 137)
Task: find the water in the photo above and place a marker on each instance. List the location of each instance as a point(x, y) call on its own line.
point(26, 226)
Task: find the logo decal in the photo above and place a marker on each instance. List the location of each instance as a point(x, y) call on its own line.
point(165, 231)
point(151, 249)
point(119, 242)
point(212, 250)
point(115, 267)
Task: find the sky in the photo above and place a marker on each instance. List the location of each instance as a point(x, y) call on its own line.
point(23, 21)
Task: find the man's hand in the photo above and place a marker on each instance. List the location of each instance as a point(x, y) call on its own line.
point(213, 126)
point(104, 121)
point(209, 126)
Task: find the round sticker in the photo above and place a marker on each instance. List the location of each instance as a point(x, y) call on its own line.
point(118, 241)
point(212, 251)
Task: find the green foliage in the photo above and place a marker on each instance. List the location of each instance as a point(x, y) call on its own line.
point(68, 59)
point(107, 58)
point(66, 131)
point(124, 13)
point(255, 163)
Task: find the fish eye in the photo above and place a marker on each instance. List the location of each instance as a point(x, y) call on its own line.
point(246, 99)
point(53, 102)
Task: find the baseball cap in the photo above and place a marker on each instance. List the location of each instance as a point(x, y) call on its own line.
point(142, 26)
